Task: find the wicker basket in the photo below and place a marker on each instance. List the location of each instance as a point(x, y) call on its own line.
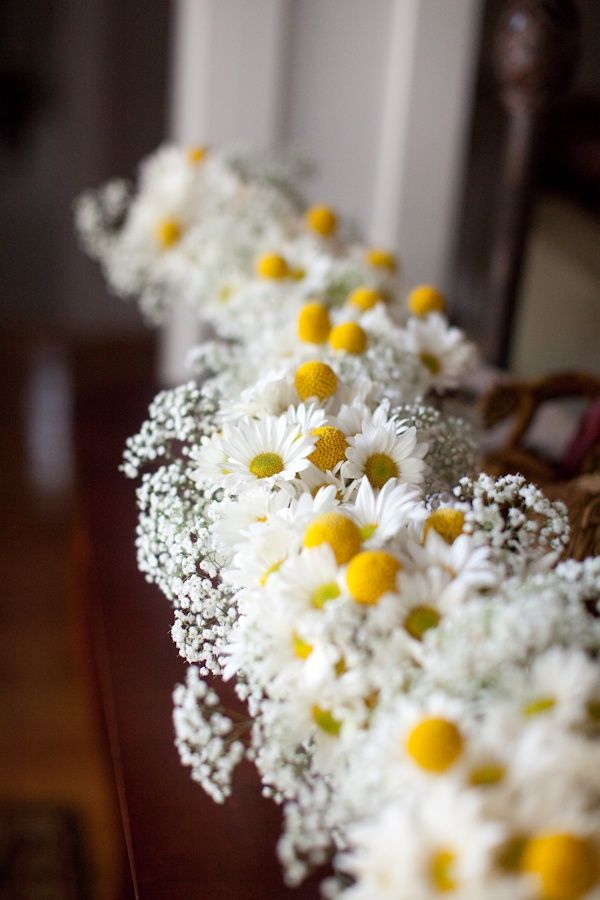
point(576, 478)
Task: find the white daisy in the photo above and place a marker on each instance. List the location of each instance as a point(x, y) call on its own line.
point(272, 394)
point(269, 451)
point(236, 516)
point(307, 416)
point(382, 513)
point(443, 351)
point(468, 564)
point(309, 580)
point(211, 461)
point(381, 454)
point(561, 685)
point(439, 846)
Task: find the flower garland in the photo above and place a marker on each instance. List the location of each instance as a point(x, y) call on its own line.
point(417, 670)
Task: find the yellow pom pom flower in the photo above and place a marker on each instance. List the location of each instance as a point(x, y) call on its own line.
point(315, 379)
point(314, 323)
point(330, 448)
point(435, 744)
point(425, 299)
point(322, 220)
point(196, 154)
point(336, 530)
point(168, 232)
point(272, 266)
point(448, 523)
point(371, 574)
point(381, 259)
point(349, 337)
point(566, 865)
point(365, 298)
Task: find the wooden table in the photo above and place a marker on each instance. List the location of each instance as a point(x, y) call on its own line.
point(179, 843)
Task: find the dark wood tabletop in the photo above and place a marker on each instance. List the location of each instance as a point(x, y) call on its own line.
point(180, 844)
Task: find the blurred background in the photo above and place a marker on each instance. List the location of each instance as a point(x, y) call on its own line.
point(398, 104)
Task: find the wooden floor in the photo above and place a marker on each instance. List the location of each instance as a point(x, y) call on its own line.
point(51, 742)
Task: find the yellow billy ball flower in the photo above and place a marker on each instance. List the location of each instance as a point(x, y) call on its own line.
point(371, 574)
point(321, 219)
point(336, 530)
point(425, 299)
point(315, 379)
point(381, 259)
point(348, 336)
point(330, 448)
point(567, 865)
point(272, 266)
point(435, 744)
point(314, 323)
point(196, 154)
point(447, 522)
point(168, 232)
point(365, 298)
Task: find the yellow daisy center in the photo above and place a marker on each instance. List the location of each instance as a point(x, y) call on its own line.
point(301, 648)
point(483, 776)
point(566, 865)
point(330, 449)
point(538, 705)
point(367, 531)
point(196, 155)
point(324, 593)
point(447, 522)
point(440, 870)
point(321, 219)
point(379, 468)
point(168, 232)
point(274, 567)
point(349, 336)
point(420, 619)
point(365, 298)
point(315, 379)
point(314, 323)
point(224, 293)
point(371, 574)
point(426, 299)
point(593, 710)
point(381, 259)
point(431, 362)
point(510, 853)
point(325, 721)
point(264, 465)
point(435, 744)
point(272, 266)
point(336, 530)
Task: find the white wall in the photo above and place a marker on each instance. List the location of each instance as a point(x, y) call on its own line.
point(376, 91)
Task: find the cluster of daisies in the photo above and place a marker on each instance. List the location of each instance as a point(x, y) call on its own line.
point(401, 653)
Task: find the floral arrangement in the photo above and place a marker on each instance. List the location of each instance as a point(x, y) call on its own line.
point(415, 670)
